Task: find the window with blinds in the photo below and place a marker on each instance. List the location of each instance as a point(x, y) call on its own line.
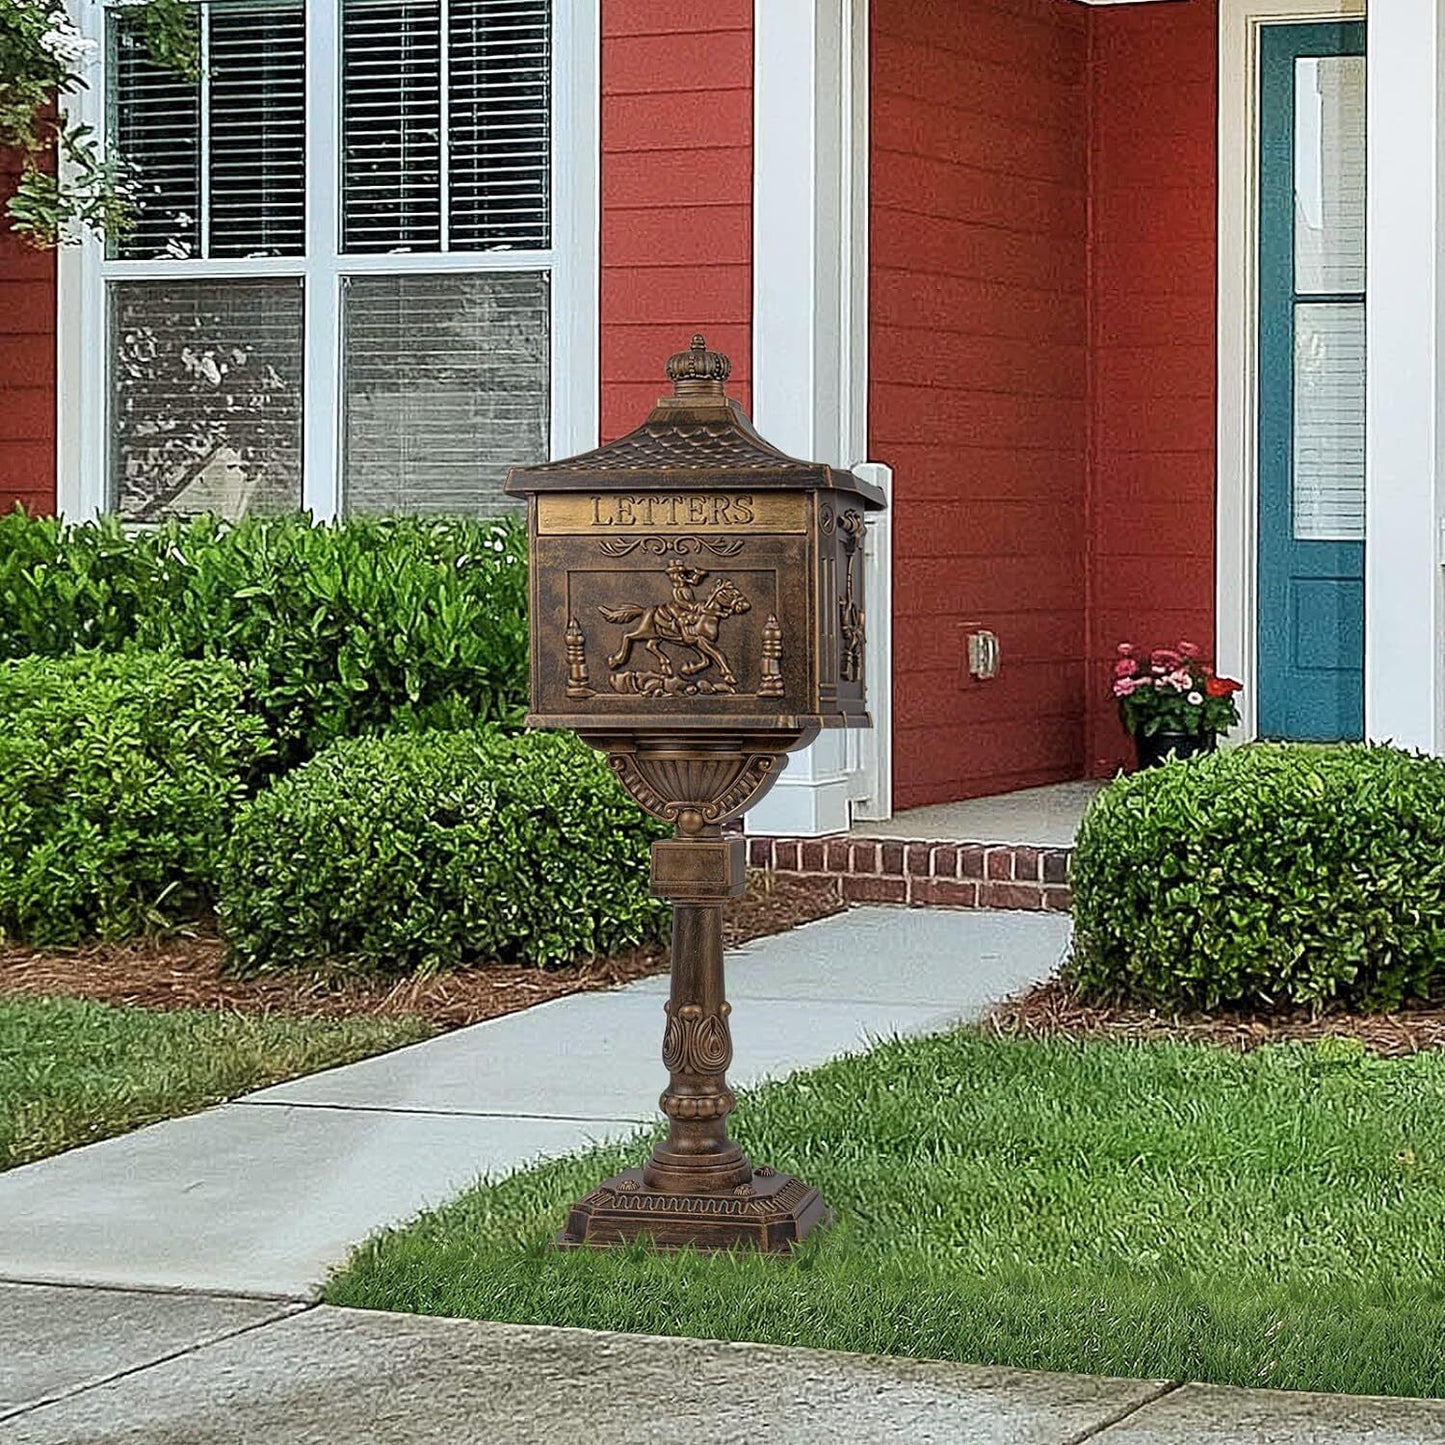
point(446, 125)
point(446, 385)
point(219, 162)
point(445, 147)
point(1328, 484)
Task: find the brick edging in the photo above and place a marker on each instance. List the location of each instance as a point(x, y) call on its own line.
point(926, 874)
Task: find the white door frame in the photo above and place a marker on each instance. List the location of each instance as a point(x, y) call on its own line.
point(810, 342)
point(1237, 486)
point(1405, 375)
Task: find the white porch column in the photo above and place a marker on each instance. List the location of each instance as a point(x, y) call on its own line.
point(810, 339)
point(1405, 393)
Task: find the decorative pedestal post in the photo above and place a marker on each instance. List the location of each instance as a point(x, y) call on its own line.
point(695, 616)
point(698, 1187)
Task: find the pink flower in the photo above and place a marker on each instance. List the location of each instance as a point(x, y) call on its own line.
point(1180, 680)
point(1126, 649)
point(1189, 650)
point(1127, 686)
point(1125, 667)
point(1166, 658)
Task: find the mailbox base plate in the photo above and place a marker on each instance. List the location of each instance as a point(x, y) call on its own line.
point(773, 1214)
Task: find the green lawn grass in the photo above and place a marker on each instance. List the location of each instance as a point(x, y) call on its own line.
point(1159, 1210)
point(73, 1071)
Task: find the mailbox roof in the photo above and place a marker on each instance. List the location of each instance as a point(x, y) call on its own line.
point(683, 445)
point(698, 437)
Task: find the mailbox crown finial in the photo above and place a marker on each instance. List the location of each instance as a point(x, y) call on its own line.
point(698, 371)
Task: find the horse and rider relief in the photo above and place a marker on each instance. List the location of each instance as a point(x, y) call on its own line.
point(686, 623)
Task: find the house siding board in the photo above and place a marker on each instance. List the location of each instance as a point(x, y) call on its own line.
point(27, 372)
point(1153, 188)
point(677, 168)
point(978, 381)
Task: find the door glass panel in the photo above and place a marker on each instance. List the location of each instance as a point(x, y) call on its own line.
point(1329, 421)
point(1329, 174)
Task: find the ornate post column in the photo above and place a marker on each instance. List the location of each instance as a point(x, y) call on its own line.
point(698, 1187)
point(697, 1044)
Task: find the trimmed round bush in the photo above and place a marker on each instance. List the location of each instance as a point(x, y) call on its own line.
point(421, 851)
point(118, 776)
point(1269, 875)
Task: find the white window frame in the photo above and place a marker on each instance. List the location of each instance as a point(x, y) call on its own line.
point(1237, 489)
point(84, 271)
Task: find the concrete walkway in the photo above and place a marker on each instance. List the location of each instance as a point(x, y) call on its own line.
point(264, 1196)
point(1035, 817)
point(256, 1374)
point(159, 1285)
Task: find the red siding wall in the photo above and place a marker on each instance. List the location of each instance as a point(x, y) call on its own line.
point(1154, 78)
point(677, 184)
point(978, 381)
point(1042, 340)
point(27, 373)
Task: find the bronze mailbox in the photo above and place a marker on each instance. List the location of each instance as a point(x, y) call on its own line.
point(697, 613)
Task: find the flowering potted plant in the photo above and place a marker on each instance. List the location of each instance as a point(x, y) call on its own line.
point(1172, 702)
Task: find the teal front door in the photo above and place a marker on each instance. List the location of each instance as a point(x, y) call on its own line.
point(1311, 597)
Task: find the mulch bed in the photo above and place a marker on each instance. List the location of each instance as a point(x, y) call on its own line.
point(1051, 1010)
point(178, 973)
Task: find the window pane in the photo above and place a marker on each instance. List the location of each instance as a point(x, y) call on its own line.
point(391, 125)
point(500, 130)
point(252, 184)
point(205, 397)
point(488, 89)
point(1329, 422)
point(446, 386)
point(1330, 174)
point(257, 129)
point(155, 128)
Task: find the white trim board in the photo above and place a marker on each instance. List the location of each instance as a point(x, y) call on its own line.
point(810, 339)
point(1405, 375)
point(1236, 488)
point(573, 261)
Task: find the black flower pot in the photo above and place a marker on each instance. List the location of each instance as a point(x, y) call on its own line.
point(1154, 749)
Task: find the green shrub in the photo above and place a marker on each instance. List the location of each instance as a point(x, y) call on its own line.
point(345, 629)
point(65, 588)
point(422, 851)
point(118, 775)
point(1272, 874)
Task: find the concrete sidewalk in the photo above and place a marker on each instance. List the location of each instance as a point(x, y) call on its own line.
point(256, 1374)
point(188, 1251)
point(264, 1196)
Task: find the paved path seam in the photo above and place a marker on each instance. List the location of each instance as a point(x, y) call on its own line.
point(165, 1291)
point(1095, 1431)
point(254, 1103)
point(57, 1397)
